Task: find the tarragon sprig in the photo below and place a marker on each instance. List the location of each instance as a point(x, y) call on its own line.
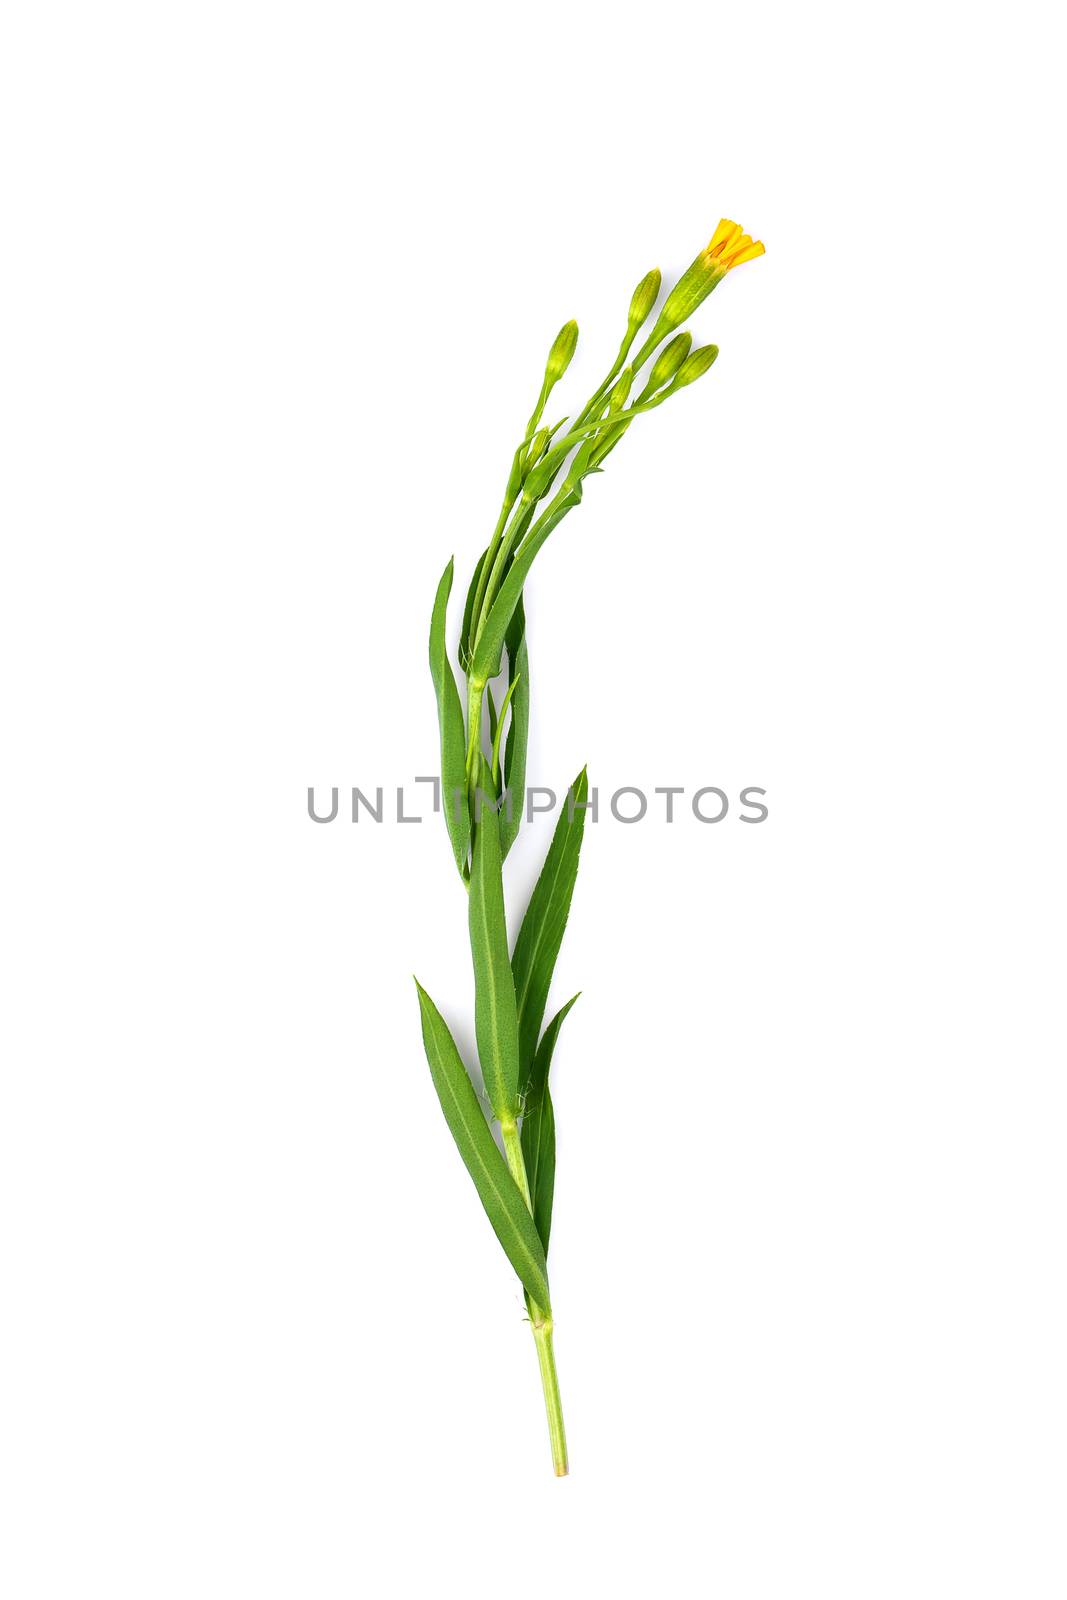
point(483, 790)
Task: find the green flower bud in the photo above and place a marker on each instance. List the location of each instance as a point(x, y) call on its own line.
point(538, 446)
point(668, 361)
point(644, 298)
point(559, 357)
point(621, 392)
point(696, 365)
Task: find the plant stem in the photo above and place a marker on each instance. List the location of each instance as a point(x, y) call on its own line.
point(540, 1318)
point(546, 1358)
point(520, 521)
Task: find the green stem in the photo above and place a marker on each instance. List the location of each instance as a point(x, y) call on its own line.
point(600, 395)
point(490, 557)
point(540, 1317)
point(511, 494)
point(546, 1360)
point(517, 528)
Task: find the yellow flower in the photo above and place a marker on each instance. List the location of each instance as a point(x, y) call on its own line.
point(730, 246)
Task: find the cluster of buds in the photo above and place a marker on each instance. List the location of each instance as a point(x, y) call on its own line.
point(607, 415)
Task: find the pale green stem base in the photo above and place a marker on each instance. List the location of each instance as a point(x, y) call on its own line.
point(540, 1319)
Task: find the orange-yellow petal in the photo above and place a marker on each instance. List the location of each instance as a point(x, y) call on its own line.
point(729, 246)
point(725, 236)
point(723, 232)
point(749, 253)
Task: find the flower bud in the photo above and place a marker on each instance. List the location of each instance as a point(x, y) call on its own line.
point(538, 446)
point(621, 392)
point(696, 365)
point(559, 357)
point(668, 361)
point(644, 298)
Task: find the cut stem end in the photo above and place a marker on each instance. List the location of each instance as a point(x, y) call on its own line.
point(546, 1360)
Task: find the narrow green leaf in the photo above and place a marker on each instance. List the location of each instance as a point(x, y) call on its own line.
point(541, 933)
point(537, 1080)
point(543, 1192)
point(497, 1189)
point(539, 1129)
point(518, 730)
point(495, 1017)
point(500, 721)
point(492, 713)
point(485, 663)
point(468, 614)
point(453, 735)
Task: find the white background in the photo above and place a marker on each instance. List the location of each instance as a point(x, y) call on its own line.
point(279, 283)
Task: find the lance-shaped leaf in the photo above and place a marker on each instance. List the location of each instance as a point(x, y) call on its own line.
point(518, 730)
point(453, 736)
point(491, 703)
point(497, 1189)
point(539, 1130)
point(495, 1018)
point(468, 614)
point(502, 718)
point(541, 933)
